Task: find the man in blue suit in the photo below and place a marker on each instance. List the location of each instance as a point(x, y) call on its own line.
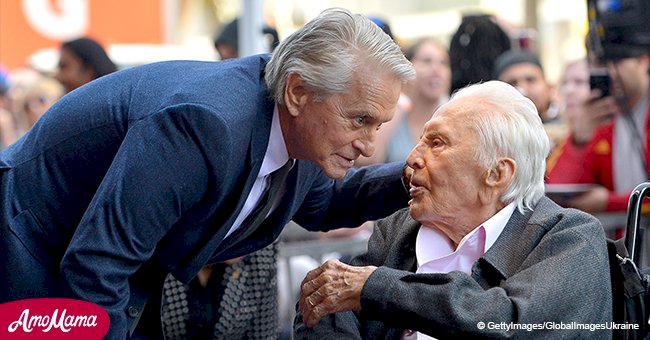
point(158, 169)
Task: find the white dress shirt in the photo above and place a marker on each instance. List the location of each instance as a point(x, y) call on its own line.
point(275, 157)
point(435, 252)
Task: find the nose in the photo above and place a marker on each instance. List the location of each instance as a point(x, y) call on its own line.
point(365, 146)
point(439, 67)
point(414, 159)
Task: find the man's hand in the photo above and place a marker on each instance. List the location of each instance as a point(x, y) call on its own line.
point(595, 112)
point(332, 287)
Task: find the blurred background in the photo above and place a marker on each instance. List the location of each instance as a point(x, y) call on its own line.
point(142, 31)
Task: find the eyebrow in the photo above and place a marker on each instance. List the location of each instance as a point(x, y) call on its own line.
point(433, 134)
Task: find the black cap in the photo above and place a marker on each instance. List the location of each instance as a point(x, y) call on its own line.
point(617, 52)
point(514, 57)
point(229, 35)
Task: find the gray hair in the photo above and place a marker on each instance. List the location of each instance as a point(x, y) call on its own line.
point(513, 129)
point(328, 50)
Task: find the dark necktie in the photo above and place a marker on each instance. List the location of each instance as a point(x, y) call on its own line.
point(269, 196)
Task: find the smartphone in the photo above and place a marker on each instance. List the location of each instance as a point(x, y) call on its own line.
point(600, 80)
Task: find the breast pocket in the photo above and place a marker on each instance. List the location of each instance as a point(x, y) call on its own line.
point(30, 233)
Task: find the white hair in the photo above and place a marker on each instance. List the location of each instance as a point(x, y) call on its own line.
point(328, 50)
point(515, 130)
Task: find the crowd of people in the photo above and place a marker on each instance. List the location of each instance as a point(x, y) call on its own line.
point(166, 210)
point(25, 93)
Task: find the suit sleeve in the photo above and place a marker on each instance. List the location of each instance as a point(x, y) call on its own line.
point(561, 281)
point(364, 194)
point(160, 170)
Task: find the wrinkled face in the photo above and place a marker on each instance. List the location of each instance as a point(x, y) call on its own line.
point(72, 73)
point(447, 176)
point(432, 70)
point(575, 88)
point(334, 131)
point(529, 80)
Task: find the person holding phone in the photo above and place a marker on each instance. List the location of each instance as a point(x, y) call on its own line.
point(600, 106)
point(609, 142)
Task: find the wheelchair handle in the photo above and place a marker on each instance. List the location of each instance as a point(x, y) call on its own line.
point(633, 239)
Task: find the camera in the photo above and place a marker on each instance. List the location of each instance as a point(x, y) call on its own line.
point(599, 79)
point(619, 28)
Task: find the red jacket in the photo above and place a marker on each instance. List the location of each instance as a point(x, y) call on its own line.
point(592, 163)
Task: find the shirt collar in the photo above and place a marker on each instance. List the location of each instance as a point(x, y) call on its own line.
point(276, 153)
point(495, 224)
point(432, 244)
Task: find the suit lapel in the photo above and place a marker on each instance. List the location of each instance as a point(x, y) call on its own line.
point(259, 139)
point(256, 150)
point(407, 259)
point(520, 235)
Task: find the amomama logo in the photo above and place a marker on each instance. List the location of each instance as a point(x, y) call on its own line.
point(52, 318)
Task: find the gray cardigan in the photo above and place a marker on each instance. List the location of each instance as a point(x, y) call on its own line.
point(549, 267)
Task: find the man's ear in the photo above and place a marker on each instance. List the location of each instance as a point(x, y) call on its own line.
point(296, 94)
point(502, 174)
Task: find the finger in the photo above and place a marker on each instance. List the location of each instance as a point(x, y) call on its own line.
point(595, 95)
point(309, 287)
point(309, 300)
point(327, 300)
point(305, 305)
point(312, 317)
point(319, 276)
point(307, 290)
point(317, 297)
point(316, 274)
point(309, 311)
point(327, 283)
point(312, 274)
point(302, 304)
point(331, 296)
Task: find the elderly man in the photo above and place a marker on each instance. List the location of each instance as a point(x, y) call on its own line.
point(480, 252)
point(170, 166)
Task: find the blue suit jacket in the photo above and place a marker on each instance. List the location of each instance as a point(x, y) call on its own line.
point(143, 172)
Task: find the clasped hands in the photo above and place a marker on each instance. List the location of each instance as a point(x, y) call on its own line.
point(332, 287)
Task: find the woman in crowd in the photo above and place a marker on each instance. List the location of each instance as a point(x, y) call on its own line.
point(420, 99)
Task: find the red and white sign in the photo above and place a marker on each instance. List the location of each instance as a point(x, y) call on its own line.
point(27, 26)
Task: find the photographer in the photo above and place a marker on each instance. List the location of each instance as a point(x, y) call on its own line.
point(608, 144)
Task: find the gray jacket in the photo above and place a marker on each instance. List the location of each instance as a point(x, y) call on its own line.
point(548, 269)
